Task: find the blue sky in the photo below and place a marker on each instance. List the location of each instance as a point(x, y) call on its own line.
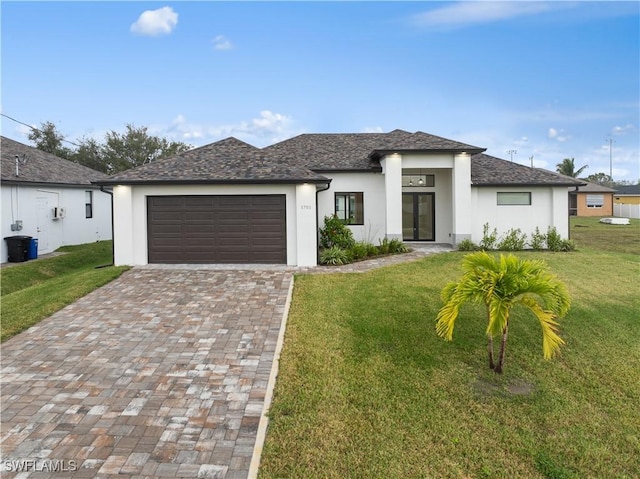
point(548, 79)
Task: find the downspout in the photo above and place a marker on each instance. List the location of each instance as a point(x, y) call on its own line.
point(318, 222)
point(113, 250)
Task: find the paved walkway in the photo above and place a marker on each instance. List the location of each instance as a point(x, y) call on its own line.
point(164, 372)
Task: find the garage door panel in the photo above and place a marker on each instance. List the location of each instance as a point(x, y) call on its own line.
point(217, 229)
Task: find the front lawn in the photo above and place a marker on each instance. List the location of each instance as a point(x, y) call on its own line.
point(367, 390)
point(34, 290)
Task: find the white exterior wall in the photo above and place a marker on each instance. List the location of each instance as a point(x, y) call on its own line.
point(372, 187)
point(549, 208)
point(34, 207)
point(130, 213)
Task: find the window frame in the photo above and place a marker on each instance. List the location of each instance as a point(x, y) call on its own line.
point(88, 204)
point(502, 196)
point(597, 203)
point(355, 217)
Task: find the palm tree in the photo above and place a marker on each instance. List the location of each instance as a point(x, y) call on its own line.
point(500, 285)
point(568, 168)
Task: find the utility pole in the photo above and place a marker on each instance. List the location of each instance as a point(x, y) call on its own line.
point(511, 153)
point(610, 140)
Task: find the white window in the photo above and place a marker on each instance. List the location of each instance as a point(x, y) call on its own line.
point(514, 198)
point(595, 201)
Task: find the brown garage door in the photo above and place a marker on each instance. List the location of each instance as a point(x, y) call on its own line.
point(217, 229)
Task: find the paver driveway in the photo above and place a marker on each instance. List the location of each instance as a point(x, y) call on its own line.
point(161, 373)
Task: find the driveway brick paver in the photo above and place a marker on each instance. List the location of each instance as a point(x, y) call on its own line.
point(161, 373)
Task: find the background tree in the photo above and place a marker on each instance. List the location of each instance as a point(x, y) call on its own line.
point(118, 152)
point(500, 285)
point(568, 168)
point(48, 138)
point(600, 179)
point(135, 147)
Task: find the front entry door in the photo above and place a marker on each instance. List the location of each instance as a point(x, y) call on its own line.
point(418, 217)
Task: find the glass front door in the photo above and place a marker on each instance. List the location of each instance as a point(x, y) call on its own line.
point(418, 217)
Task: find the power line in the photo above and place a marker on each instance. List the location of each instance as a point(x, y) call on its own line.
point(36, 129)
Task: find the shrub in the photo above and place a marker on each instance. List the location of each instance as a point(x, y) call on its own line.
point(489, 240)
point(538, 240)
point(362, 250)
point(397, 246)
point(556, 243)
point(554, 240)
point(467, 245)
point(514, 240)
point(383, 247)
point(334, 256)
point(335, 233)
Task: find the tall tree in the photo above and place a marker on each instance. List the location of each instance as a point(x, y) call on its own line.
point(600, 179)
point(89, 153)
point(48, 138)
point(500, 285)
point(568, 168)
point(136, 147)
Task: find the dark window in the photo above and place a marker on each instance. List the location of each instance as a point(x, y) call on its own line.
point(88, 204)
point(350, 208)
point(514, 198)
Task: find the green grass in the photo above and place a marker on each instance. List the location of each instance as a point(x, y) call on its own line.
point(367, 390)
point(589, 233)
point(34, 290)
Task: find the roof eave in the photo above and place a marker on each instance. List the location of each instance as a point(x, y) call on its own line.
point(472, 150)
point(213, 182)
point(48, 184)
point(528, 184)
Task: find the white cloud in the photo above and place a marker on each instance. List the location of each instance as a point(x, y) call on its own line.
point(155, 22)
point(469, 13)
point(265, 129)
point(222, 43)
point(557, 135)
point(372, 129)
point(623, 130)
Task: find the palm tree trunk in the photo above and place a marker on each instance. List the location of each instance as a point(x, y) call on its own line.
point(490, 350)
point(503, 345)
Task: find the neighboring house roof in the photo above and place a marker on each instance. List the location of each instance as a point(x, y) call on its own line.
point(37, 167)
point(225, 161)
point(324, 152)
point(488, 170)
point(594, 188)
point(632, 190)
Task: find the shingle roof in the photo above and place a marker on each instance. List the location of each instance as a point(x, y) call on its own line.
point(594, 188)
point(628, 190)
point(488, 170)
point(357, 151)
point(225, 161)
point(38, 167)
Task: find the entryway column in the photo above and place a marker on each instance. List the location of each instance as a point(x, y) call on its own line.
point(461, 189)
point(306, 227)
point(392, 171)
point(123, 225)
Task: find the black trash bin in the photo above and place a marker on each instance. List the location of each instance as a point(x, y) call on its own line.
point(17, 248)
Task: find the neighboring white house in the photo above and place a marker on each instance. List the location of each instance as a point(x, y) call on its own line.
point(51, 199)
point(230, 202)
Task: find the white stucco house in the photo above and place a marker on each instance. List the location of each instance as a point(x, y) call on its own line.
point(51, 199)
point(230, 202)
